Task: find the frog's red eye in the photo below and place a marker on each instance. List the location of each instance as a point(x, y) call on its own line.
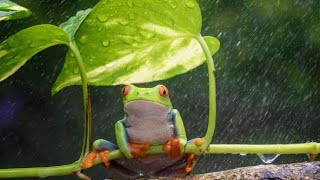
point(125, 90)
point(163, 91)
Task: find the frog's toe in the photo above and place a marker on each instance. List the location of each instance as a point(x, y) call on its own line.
point(138, 150)
point(198, 142)
point(104, 157)
point(172, 147)
point(88, 160)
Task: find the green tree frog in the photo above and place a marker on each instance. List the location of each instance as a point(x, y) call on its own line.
point(149, 120)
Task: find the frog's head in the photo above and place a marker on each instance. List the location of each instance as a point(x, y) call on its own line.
point(156, 95)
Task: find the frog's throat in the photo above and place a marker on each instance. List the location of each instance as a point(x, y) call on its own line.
point(142, 102)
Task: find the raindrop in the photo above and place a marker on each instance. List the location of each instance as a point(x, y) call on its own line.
point(126, 40)
point(105, 42)
point(71, 54)
point(83, 39)
point(173, 4)
point(124, 22)
point(243, 154)
point(104, 1)
point(76, 70)
point(189, 4)
point(130, 3)
point(268, 158)
point(32, 45)
point(102, 17)
point(238, 43)
point(147, 34)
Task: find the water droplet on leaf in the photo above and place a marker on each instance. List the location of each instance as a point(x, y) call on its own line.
point(173, 4)
point(124, 22)
point(105, 42)
point(76, 70)
point(189, 3)
point(104, 1)
point(268, 158)
point(130, 3)
point(126, 40)
point(102, 17)
point(147, 34)
point(83, 39)
point(243, 154)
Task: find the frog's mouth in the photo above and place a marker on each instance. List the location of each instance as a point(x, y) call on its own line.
point(144, 107)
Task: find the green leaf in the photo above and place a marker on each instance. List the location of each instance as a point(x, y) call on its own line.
point(71, 26)
point(10, 10)
point(20, 47)
point(131, 41)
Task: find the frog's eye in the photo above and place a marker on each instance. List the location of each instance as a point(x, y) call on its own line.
point(125, 90)
point(163, 91)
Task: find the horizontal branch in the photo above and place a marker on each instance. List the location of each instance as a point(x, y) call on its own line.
point(309, 170)
point(303, 148)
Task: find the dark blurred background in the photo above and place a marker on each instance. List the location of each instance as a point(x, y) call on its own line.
point(268, 71)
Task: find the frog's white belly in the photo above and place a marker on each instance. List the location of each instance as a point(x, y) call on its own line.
point(148, 122)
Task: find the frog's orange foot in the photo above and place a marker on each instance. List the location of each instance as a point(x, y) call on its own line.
point(189, 164)
point(138, 150)
point(88, 160)
point(104, 157)
point(172, 147)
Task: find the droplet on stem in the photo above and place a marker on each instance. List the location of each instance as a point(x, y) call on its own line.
point(268, 158)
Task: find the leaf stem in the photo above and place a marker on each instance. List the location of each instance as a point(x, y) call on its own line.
point(301, 148)
point(212, 92)
point(86, 101)
point(40, 171)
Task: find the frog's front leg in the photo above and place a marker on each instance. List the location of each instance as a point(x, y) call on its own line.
point(130, 150)
point(175, 146)
point(101, 148)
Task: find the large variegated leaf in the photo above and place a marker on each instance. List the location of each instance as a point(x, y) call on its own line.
point(134, 41)
point(20, 47)
point(10, 10)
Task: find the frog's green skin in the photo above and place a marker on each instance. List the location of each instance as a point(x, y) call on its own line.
point(149, 118)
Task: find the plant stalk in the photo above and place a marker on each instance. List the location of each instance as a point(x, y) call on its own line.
point(86, 101)
point(40, 171)
point(212, 92)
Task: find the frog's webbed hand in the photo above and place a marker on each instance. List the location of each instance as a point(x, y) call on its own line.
point(175, 146)
point(130, 150)
point(102, 149)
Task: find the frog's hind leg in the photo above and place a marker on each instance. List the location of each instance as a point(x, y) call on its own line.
point(101, 148)
point(123, 172)
point(177, 169)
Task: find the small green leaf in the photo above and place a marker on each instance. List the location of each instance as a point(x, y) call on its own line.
point(131, 41)
point(10, 10)
point(71, 26)
point(20, 47)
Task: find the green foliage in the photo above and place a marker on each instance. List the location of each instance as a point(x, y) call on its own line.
point(10, 10)
point(17, 49)
point(71, 26)
point(125, 42)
